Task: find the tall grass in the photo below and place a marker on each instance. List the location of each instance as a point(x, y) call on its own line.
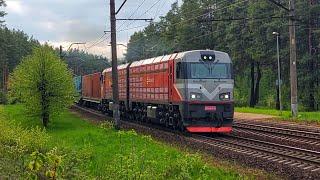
point(74, 148)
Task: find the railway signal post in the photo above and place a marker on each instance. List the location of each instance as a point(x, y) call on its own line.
point(115, 88)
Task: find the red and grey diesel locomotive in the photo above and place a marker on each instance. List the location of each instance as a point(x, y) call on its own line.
point(190, 91)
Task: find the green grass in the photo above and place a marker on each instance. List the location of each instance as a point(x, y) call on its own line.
point(101, 152)
point(285, 115)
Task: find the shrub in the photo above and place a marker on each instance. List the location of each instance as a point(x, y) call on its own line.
point(25, 154)
point(43, 83)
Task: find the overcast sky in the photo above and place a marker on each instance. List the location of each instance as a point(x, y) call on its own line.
point(66, 21)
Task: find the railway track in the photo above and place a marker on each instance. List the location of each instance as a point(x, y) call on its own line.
point(287, 155)
point(306, 135)
point(289, 158)
point(298, 142)
point(284, 124)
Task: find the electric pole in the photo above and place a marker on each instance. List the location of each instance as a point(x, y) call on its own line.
point(115, 88)
point(60, 50)
point(5, 76)
point(293, 59)
point(293, 54)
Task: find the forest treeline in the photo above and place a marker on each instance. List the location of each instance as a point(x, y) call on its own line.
point(82, 62)
point(15, 44)
point(244, 30)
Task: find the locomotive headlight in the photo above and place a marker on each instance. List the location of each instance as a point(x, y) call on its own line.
point(224, 96)
point(195, 96)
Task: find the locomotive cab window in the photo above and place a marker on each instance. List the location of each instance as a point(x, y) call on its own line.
point(181, 70)
point(178, 69)
point(210, 70)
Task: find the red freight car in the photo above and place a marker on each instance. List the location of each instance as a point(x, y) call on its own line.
point(150, 80)
point(122, 83)
point(91, 89)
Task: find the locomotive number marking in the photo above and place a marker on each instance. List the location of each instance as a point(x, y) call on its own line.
point(210, 108)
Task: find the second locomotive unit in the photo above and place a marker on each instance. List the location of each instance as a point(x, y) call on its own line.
point(190, 91)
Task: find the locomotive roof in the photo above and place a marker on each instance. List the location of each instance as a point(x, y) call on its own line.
point(153, 60)
point(166, 58)
point(176, 55)
point(122, 66)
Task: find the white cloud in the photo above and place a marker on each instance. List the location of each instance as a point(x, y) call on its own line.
point(63, 22)
point(101, 49)
point(16, 7)
point(48, 25)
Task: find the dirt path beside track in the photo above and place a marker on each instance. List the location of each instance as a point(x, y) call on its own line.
point(250, 116)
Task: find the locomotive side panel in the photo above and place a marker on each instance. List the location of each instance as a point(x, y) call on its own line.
point(149, 83)
point(122, 84)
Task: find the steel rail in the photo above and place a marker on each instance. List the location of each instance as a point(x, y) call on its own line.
point(276, 136)
point(311, 158)
point(278, 130)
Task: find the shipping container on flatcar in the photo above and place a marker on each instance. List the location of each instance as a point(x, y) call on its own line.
point(91, 89)
point(78, 84)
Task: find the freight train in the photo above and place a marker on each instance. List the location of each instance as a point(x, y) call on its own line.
point(190, 91)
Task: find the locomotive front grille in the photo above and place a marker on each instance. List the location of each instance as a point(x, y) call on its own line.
point(208, 112)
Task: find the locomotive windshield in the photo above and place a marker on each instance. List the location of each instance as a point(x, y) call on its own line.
point(201, 70)
point(209, 71)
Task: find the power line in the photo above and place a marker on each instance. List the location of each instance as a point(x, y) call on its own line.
point(135, 27)
point(246, 18)
point(102, 39)
point(133, 12)
point(228, 20)
point(121, 6)
point(159, 9)
point(279, 5)
point(215, 10)
point(97, 39)
point(134, 19)
point(145, 12)
point(150, 8)
point(98, 42)
point(187, 20)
